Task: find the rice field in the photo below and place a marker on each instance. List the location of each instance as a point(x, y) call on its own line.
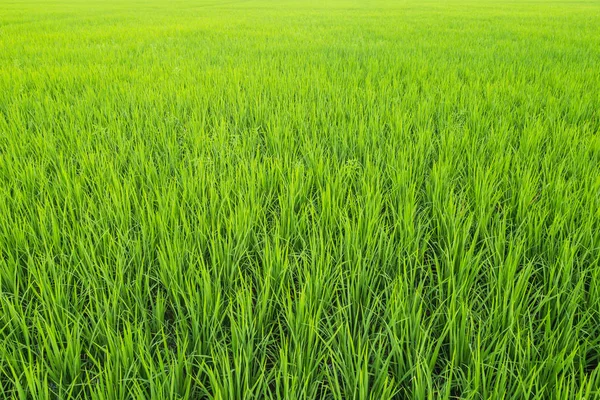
point(299, 199)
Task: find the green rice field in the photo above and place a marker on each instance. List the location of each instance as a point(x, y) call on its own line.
point(299, 199)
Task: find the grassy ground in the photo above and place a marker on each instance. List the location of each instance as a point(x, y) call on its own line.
point(299, 199)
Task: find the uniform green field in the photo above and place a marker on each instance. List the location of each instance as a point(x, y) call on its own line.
point(294, 199)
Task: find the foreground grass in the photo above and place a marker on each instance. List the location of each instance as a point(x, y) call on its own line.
point(258, 199)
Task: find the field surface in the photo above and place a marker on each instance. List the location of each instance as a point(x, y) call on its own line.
point(299, 199)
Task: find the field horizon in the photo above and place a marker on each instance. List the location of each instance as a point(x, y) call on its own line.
point(294, 199)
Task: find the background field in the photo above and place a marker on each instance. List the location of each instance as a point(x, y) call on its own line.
point(299, 199)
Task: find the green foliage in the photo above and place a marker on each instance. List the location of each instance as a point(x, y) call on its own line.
point(294, 199)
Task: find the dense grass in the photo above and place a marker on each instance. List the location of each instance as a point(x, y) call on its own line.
point(303, 200)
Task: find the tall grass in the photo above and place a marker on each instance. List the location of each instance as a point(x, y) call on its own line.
point(298, 199)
